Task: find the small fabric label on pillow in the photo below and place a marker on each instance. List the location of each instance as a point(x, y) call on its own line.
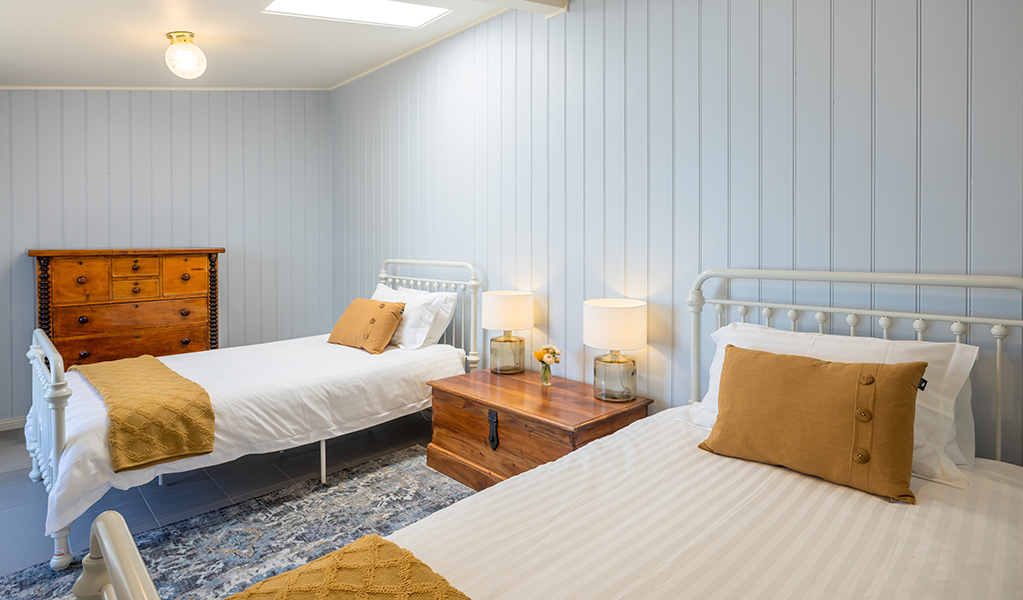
point(923, 384)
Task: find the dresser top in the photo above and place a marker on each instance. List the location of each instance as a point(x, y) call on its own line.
point(567, 404)
point(125, 252)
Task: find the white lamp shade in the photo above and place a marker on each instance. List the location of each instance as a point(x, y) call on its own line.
point(507, 311)
point(614, 324)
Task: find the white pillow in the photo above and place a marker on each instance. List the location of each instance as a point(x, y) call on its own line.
point(425, 318)
point(445, 311)
point(963, 437)
point(948, 369)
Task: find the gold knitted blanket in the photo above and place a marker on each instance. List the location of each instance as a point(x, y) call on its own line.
point(156, 415)
point(370, 568)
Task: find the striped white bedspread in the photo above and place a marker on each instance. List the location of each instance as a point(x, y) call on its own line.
point(645, 514)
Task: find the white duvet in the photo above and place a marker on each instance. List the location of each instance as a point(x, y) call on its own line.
point(644, 513)
point(265, 397)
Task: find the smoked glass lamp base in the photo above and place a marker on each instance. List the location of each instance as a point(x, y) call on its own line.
point(614, 377)
point(507, 354)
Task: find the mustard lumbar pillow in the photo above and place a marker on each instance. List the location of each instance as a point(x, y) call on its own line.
point(367, 324)
point(848, 423)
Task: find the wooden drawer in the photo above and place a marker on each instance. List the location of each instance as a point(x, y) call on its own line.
point(461, 426)
point(135, 266)
point(185, 275)
point(128, 316)
point(160, 342)
point(79, 280)
point(128, 289)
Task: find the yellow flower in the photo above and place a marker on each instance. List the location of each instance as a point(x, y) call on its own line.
point(538, 354)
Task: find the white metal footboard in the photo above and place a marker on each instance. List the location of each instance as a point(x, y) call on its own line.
point(113, 569)
point(45, 432)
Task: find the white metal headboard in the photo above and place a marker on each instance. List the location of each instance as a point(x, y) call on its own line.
point(459, 329)
point(885, 319)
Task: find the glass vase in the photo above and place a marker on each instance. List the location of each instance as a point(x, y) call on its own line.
point(545, 375)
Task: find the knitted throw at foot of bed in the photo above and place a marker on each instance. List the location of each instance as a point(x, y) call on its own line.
point(156, 415)
point(368, 568)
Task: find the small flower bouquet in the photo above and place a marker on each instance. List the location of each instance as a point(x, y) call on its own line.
point(546, 355)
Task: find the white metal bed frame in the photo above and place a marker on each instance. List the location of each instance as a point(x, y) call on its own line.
point(471, 287)
point(123, 576)
point(960, 325)
point(46, 430)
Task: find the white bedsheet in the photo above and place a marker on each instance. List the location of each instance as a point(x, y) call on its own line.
point(646, 514)
point(265, 397)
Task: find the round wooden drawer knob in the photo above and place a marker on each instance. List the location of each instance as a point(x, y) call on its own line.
point(83, 319)
point(185, 312)
point(136, 290)
point(186, 277)
point(136, 267)
point(83, 354)
point(82, 279)
point(186, 341)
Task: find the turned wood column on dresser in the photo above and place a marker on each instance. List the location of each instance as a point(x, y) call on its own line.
point(100, 305)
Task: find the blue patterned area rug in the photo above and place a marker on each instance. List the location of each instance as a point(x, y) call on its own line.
point(219, 553)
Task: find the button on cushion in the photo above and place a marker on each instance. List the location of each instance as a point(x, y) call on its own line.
point(367, 324)
point(772, 410)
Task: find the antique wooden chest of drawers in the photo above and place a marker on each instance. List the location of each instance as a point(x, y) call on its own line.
point(488, 427)
point(107, 304)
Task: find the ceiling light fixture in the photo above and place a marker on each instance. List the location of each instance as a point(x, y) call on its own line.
point(184, 58)
point(370, 12)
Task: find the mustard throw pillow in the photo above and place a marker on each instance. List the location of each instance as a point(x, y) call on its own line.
point(848, 423)
point(367, 324)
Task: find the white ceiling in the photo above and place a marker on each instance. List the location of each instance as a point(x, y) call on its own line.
point(121, 43)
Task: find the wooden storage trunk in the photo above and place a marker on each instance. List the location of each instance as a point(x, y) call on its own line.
point(533, 424)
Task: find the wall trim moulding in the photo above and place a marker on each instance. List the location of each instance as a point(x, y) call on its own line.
point(163, 89)
point(15, 423)
point(426, 45)
point(548, 8)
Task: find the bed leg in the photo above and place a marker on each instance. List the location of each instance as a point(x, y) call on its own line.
point(94, 577)
point(159, 480)
point(35, 474)
point(323, 461)
point(61, 552)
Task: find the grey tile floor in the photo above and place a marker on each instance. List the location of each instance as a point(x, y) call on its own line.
point(183, 495)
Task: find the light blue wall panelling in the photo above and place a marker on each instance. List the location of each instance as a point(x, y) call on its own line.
point(626, 146)
point(250, 171)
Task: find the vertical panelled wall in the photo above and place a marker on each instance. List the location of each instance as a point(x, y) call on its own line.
point(249, 171)
point(626, 146)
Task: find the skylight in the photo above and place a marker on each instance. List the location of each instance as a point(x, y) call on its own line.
point(372, 12)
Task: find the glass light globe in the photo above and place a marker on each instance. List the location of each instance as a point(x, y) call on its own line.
point(184, 58)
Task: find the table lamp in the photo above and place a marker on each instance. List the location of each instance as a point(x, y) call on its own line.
point(614, 324)
point(507, 311)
